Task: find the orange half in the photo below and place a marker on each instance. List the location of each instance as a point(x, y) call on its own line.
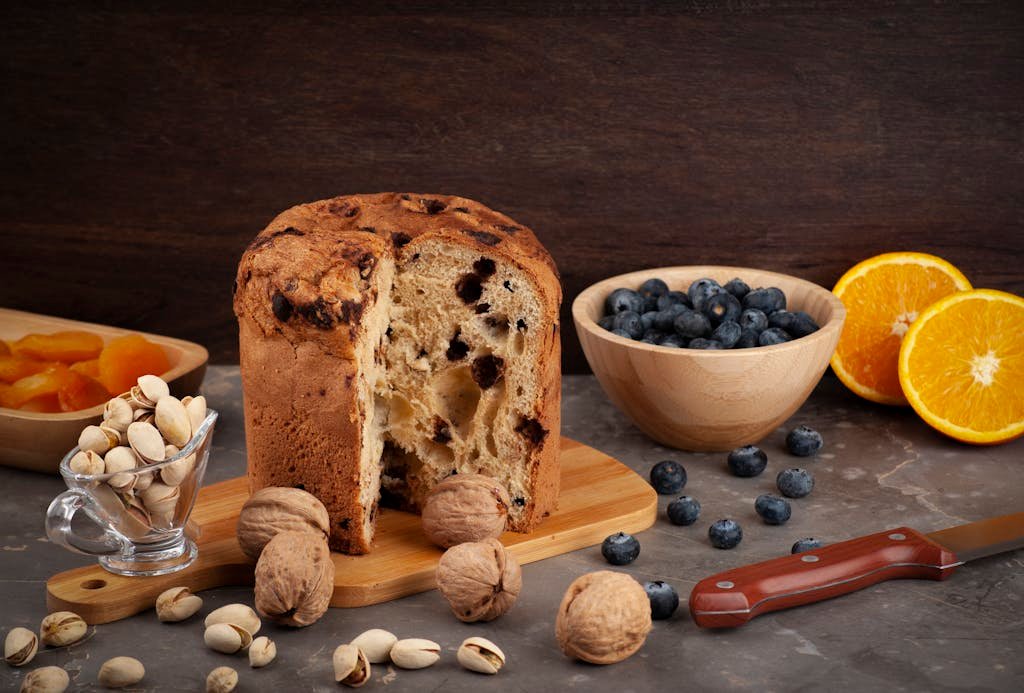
point(962, 366)
point(883, 295)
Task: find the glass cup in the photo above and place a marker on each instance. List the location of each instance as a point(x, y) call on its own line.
point(141, 512)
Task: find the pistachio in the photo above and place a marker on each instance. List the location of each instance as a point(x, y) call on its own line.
point(136, 522)
point(45, 680)
point(351, 666)
point(121, 672)
point(20, 646)
point(221, 680)
point(235, 613)
point(96, 439)
point(161, 499)
point(152, 389)
point(177, 604)
point(262, 652)
point(144, 416)
point(228, 638)
point(115, 436)
point(196, 408)
point(174, 473)
point(146, 441)
point(118, 462)
point(415, 653)
point(117, 414)
point(172, 421)
point(480, 654)
point(62, 628)
point(377, 644)
point(143, 480)
point(88, 462)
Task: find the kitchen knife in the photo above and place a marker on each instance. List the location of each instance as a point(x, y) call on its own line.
point(734, 597)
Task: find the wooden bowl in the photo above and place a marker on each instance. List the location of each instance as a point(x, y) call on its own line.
point(701, 400)
point(37, 441)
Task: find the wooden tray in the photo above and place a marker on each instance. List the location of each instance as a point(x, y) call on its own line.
point(599, 496)
point(37, 441)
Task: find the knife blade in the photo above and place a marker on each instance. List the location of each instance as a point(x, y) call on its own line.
point(736, 596)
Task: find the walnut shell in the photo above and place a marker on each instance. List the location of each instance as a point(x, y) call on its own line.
point(465, 507)
point(277, 509)
point(480, 580)
point(604, 617)
point(294, 578)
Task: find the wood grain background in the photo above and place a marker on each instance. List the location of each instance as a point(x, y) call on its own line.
point(144, 144)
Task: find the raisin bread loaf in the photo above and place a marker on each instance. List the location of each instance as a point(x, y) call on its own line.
point(390, 340)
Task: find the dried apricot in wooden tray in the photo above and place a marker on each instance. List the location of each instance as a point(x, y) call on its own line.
point(38, 441)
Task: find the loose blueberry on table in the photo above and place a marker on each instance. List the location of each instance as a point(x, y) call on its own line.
point(794, 482)
point(747, 461)
point(620, 549)
point(725, 534)
point(668, 477)
point(772, 509)
point(804, 441)
point(663, 597)
point(806, 544)
point(683, 511)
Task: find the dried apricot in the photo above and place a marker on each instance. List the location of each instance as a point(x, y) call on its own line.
point(124, 359)
point(48, 382)
point(47, 404)
point(14, 368)
point(67, 347)
point(4, 349)
point(81, 392)
point(90, 368)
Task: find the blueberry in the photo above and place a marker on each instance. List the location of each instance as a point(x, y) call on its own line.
point(773, 335)
point(690, 324)
point(663, 597)
point(673, 298)
point(701, 343)
point(665, 319)
point(684, 510)
point(728, 333)
point(668, 477)
point(748, 339)
point(737, 287)
point(648, 319)
point(653, 287)
point(620, 549)
point(803, 324)
point(650, 304)
point(772, 509)
point(725, 534)
point(804, 441)
point(753, 319)
point(607, 322)
point(795, 482)
point(622, 300)
point(806, 544)
point(622, 333)
point(630, 323)
point(652, 336)
point(782, 319)
point(700, 290)
point(747, 461)
point(722, 307)
point(673, 340)
point(700, 302)
point(765, 300)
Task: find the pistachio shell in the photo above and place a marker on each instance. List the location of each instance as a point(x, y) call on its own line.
point(351, 666)
point(160, 498)
point(481, 655)
point(144, 416)
point(119, 462)
point(143, 480)
point(174, 473)
point(117, 414)
point(152, 389)
point(262, 652)
point(376, 643)
point(196, 408)
point(172, 421)
point(240, 614)
point(415, 653)
point(62, 628)
point(228, 638)
point(121, 672)
point(177, 604)
point(136, 522)
point(137, 401)
point(95, 439)
point(45, 680)
point(20, 646)
point(146, 441)
point(221, 680)
point(89, 462)
point(115, 436)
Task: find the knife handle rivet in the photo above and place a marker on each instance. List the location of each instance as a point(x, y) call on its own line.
point(896, 536)
point(809, 558)
point(724, 585)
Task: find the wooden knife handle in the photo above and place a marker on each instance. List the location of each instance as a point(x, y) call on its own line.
point(734, 597)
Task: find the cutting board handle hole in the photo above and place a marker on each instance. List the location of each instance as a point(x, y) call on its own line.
point(94, 584)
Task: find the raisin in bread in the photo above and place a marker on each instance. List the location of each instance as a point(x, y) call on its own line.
point(390, 340)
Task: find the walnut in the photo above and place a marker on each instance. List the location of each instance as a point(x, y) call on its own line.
point(294, 578)
point(604, 617)
point(480, 580)
point(465, 507)
point(279, 509)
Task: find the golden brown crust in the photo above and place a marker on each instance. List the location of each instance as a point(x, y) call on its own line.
point(301, 290)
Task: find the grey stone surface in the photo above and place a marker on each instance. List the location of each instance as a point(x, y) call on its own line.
point(880, 468)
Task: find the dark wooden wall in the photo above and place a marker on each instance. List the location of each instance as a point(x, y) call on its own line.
point(144, 144)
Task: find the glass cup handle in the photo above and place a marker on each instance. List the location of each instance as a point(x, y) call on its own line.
point(58, 526)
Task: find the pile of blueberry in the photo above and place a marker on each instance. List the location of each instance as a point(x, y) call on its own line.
point(706, 316)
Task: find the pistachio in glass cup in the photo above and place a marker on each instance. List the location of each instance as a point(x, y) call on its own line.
point(141, 501)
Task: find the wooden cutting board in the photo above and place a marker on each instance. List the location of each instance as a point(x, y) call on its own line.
point(599, 496)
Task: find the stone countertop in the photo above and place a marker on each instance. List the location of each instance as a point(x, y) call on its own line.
point(880, 468)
